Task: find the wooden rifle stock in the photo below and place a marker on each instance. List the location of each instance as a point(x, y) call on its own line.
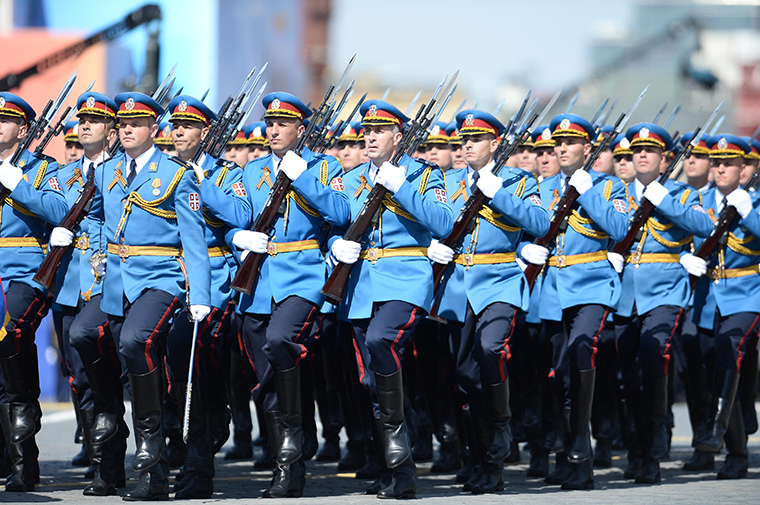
point(563, 211)
point(245, 279)
point(638, 220)
point(336, 283)
point(46, 273)
point(711, 243)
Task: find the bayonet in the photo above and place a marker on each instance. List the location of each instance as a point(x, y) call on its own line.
point(459, 109)
point(599, 112)
point(548, 107)
point(662, 109)
point(717, 125)
point(384, 97)
point(672, 116)
point(498, 107)
point(572, 102)
point(413, 103)
point(205, 95)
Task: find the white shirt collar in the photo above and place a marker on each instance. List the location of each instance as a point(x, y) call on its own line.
point(471, 172)
point(639, 189)
point(719, 199)
point(141, 160)
point(86, 162)
point(276, 161)
point(372, 171)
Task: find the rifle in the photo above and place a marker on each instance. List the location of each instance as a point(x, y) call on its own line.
point(476, 201)
point(566, 204)
point(342, 123)
point(45, 275)
point(57, 128)
point(725, 220)
point(646, 207)
point(413, 135)
point(245, 279)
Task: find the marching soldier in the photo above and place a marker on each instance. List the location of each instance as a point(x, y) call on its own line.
point(486, 288)
point(237, 149)
point(751, 160)
point(455, 141)
point(351, 146)
point(578, 290)
point(150, 210)
point(276, 319)
point(163, 139)
point(100, 391)
point(543, 146)
point(622, 157)
point(733, 301)
point(224, 207)
point(697, 165)
point(655, 296)
point(32, 201)
point(258, 144)
point(604, 163)
point(392, 253)
point(437, 145)
point(73, 149)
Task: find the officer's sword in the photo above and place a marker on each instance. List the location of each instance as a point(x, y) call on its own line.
point(189, 391)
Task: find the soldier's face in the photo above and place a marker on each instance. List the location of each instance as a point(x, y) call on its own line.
point(547, 161)
point(526, 159)
point(603, 163)
point(186, 135)
point(749, 169)
point(381, 140)
point(167, 150)
point(257, 151)
point(283, 133)
point(697, 165)
point(478, 149)
point(136, 133)
point(624, 167)
point(237, 153)
point(95, 130)
point(727, 172)
point(350, 154)
point(571, 152)
point(73, 151)
point(646, 160)
point(12, 129)
point(457, 157)
point(440, 154)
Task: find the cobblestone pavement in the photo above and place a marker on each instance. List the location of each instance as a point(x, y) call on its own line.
point(60, 482)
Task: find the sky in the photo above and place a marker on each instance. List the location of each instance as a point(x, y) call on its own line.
point(402, 42)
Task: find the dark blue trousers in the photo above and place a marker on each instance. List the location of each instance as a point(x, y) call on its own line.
point(71, 362)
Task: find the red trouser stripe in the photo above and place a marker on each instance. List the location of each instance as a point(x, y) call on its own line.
point(741, 343)
point(398, 337)
point(149, 342)
point(596, 337)
point(666, 354)
point(504, 353)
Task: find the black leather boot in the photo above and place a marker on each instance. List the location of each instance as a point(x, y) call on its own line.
point(288, 387)
point(403, 482)
point(265, 460)
point(539, 461)
point(22, 397)
point(172, 427)
point(86, 419)
point(198, 468)
point(288, 480)
point(580, 415)
point(726, 383)
point(153, 484)
point(498, 416)
point(562, 467)
point(101, 375)
point(737, 460)
point(18, 480)
point(104, 462)
point(390, 396)
point(218, 414)
point(582, 476)
point(146, 416)
point(603, 453)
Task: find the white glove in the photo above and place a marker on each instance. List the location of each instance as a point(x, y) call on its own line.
point(581, 181)
point(740, 200)
point(293, 165)
point(198, 171)
point(251, 241)
point(61, 237)
point(617, 260)
point(655, 193)
point(521, 264)
point(535, 254)
point(10, 176)
point(488, 183)
point(391, 177)
point(199, 312)
point(346, 251)
point(694, 265)
point(440, 253)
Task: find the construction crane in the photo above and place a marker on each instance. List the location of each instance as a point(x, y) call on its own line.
point(141, 16)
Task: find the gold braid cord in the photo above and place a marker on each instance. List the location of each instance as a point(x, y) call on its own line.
point(653, 226)
point(576, 222)
point(737, 244)
point(150, 206)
